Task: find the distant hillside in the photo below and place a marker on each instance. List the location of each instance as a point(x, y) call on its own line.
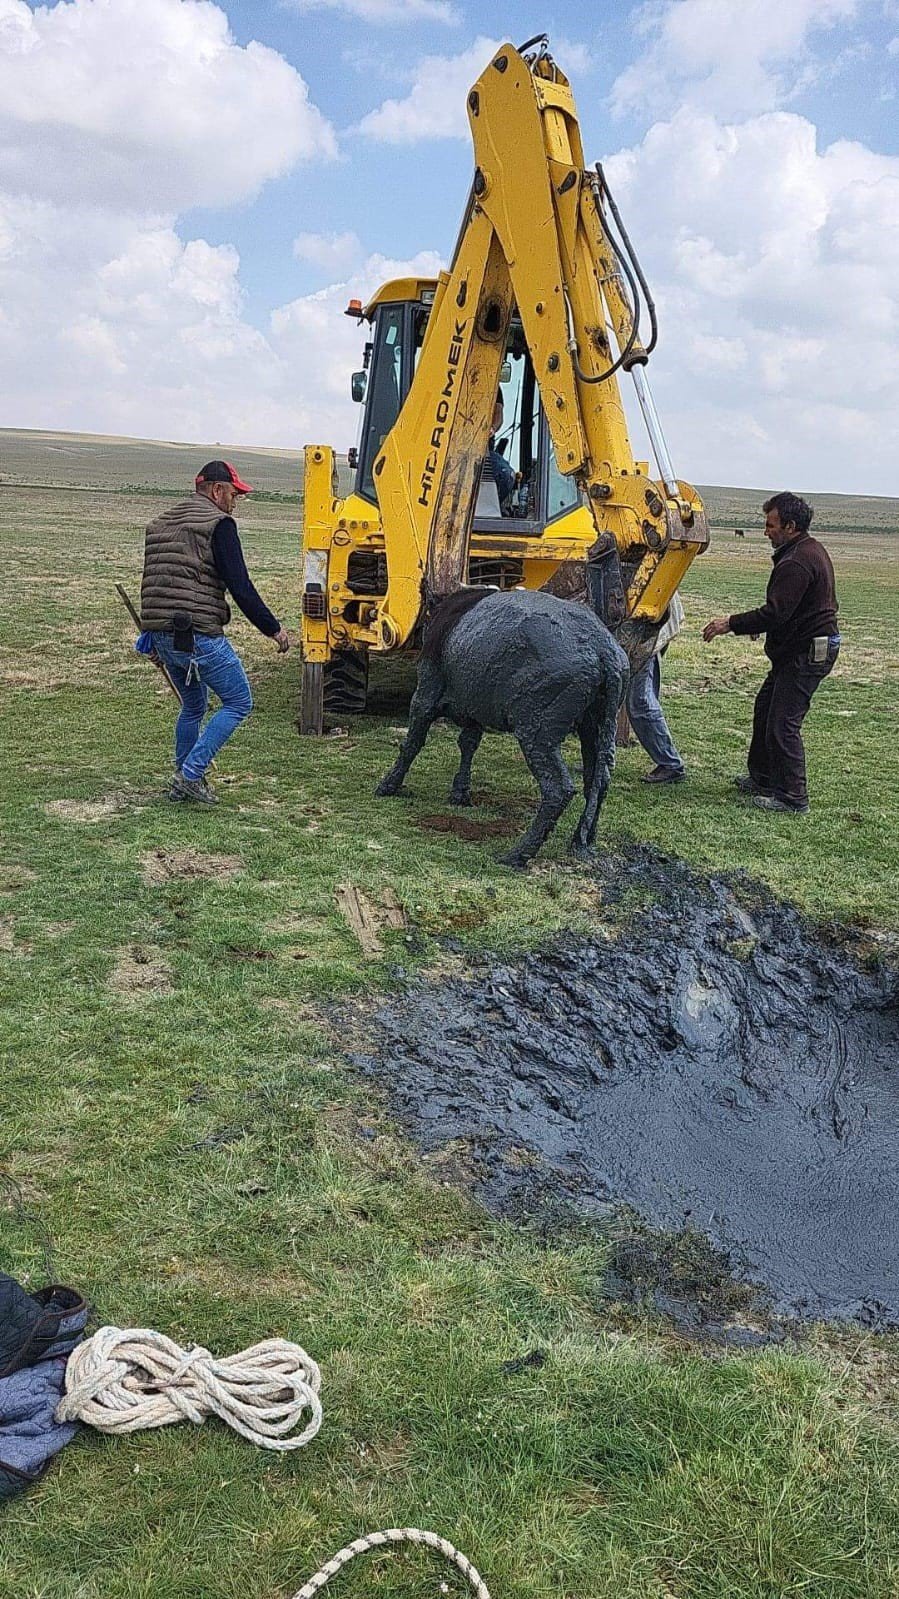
point(834, 513)
point(85, 460)
point(95, 461)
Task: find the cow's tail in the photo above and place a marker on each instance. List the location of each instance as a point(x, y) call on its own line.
point(600, 724)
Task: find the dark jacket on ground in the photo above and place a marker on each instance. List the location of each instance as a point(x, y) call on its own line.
point(37, 1334)
point(801, 602)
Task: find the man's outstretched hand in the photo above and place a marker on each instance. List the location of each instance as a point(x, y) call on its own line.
point(714, 628)
point(282, 639)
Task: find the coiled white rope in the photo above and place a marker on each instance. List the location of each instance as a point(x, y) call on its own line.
point(122, 1380)
point(125, 1380)
point(393, 1535)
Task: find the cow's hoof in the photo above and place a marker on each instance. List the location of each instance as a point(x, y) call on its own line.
point(515, 859)
point(386, 790)
point(584, 854)
point(456, 798)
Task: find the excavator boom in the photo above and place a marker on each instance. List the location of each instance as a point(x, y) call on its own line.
point(534, 238)
point(537, 246)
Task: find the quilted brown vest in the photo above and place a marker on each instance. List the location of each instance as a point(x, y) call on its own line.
point(179, 570)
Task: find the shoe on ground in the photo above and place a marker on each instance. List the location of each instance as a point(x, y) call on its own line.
point(192, 791)
point(770, 802)
point(748, 785)
point(664, 774)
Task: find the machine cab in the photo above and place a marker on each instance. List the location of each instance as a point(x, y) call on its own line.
point(521, 490)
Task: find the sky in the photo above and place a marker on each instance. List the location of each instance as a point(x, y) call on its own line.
point(191, 191)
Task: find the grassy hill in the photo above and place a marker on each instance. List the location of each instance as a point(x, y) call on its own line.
point(117, 465)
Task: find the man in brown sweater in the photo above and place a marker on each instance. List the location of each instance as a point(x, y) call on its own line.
point(799, 621)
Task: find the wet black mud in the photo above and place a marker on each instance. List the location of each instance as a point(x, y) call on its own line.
point(712, 1065)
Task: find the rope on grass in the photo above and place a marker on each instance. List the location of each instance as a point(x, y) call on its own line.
point(123, 1380)
point(394, 1535)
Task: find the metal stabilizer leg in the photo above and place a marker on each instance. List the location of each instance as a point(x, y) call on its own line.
point(312, 699)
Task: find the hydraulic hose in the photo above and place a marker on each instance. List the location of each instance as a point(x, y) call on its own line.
point(632, 254)
point(602, 377)
point(539, 38)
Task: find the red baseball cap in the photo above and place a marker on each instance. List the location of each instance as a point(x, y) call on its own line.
point(221, 472)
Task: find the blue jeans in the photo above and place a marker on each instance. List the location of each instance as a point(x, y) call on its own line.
point(214, 665)
point(647, 718)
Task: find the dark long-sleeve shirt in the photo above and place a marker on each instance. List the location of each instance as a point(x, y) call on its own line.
point(232, 569)
point(801, 602)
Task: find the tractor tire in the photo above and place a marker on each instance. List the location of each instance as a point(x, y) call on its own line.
point(345, 691)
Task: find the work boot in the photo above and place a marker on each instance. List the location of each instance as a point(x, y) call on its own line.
point(664, 774)
point(748, 785)
point(770, 802)
point(195, 791)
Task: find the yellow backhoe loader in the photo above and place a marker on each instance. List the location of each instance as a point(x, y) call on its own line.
point(493, 445)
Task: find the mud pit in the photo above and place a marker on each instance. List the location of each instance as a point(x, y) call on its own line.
point(715, 1065)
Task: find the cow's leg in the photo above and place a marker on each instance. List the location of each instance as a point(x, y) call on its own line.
point(556, 790)
point(423, 711)
point(588, 733)
point(598, 731)
point(469, 739)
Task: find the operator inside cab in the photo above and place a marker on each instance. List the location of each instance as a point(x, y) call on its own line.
point(499, 468)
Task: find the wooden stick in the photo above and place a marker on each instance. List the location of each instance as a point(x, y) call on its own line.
point(160, 665)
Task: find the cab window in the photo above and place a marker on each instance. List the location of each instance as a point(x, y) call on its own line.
point(386, 393)
point(562, 493)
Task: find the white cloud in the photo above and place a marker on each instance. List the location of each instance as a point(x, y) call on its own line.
point(334, 253)
point(775, 264)
point(115, 324)
point(382, 11)
point(776, 269)
point(726, 57)
point(435, 107)
point(145, 105)
point(115, 115)
point(314, 336)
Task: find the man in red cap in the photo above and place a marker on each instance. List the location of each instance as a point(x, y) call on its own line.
point(192, 557)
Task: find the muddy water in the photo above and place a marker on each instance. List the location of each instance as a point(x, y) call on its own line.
point(712, 1062)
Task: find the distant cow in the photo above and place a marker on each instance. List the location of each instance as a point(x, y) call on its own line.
point(738, 533)
point(530, 664)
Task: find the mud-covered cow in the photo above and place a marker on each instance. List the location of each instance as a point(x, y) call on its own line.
point(529, 664)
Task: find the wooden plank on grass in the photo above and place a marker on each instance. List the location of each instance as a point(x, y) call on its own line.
point(360, 916)
point(366, 919)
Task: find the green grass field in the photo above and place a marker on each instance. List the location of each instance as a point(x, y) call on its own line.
point(177, 1113)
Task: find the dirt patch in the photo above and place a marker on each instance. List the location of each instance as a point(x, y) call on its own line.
point(296, 1011)
point(165, 865)
point(140, 969)
point(12, 878)
point(10, 942)
point(86, 810)
point(721, 1068)
point(466, 827)
point(37, 679)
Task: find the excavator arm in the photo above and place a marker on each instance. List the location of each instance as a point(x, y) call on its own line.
point(536, 236)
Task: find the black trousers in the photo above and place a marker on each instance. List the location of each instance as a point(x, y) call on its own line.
point(776, 754)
